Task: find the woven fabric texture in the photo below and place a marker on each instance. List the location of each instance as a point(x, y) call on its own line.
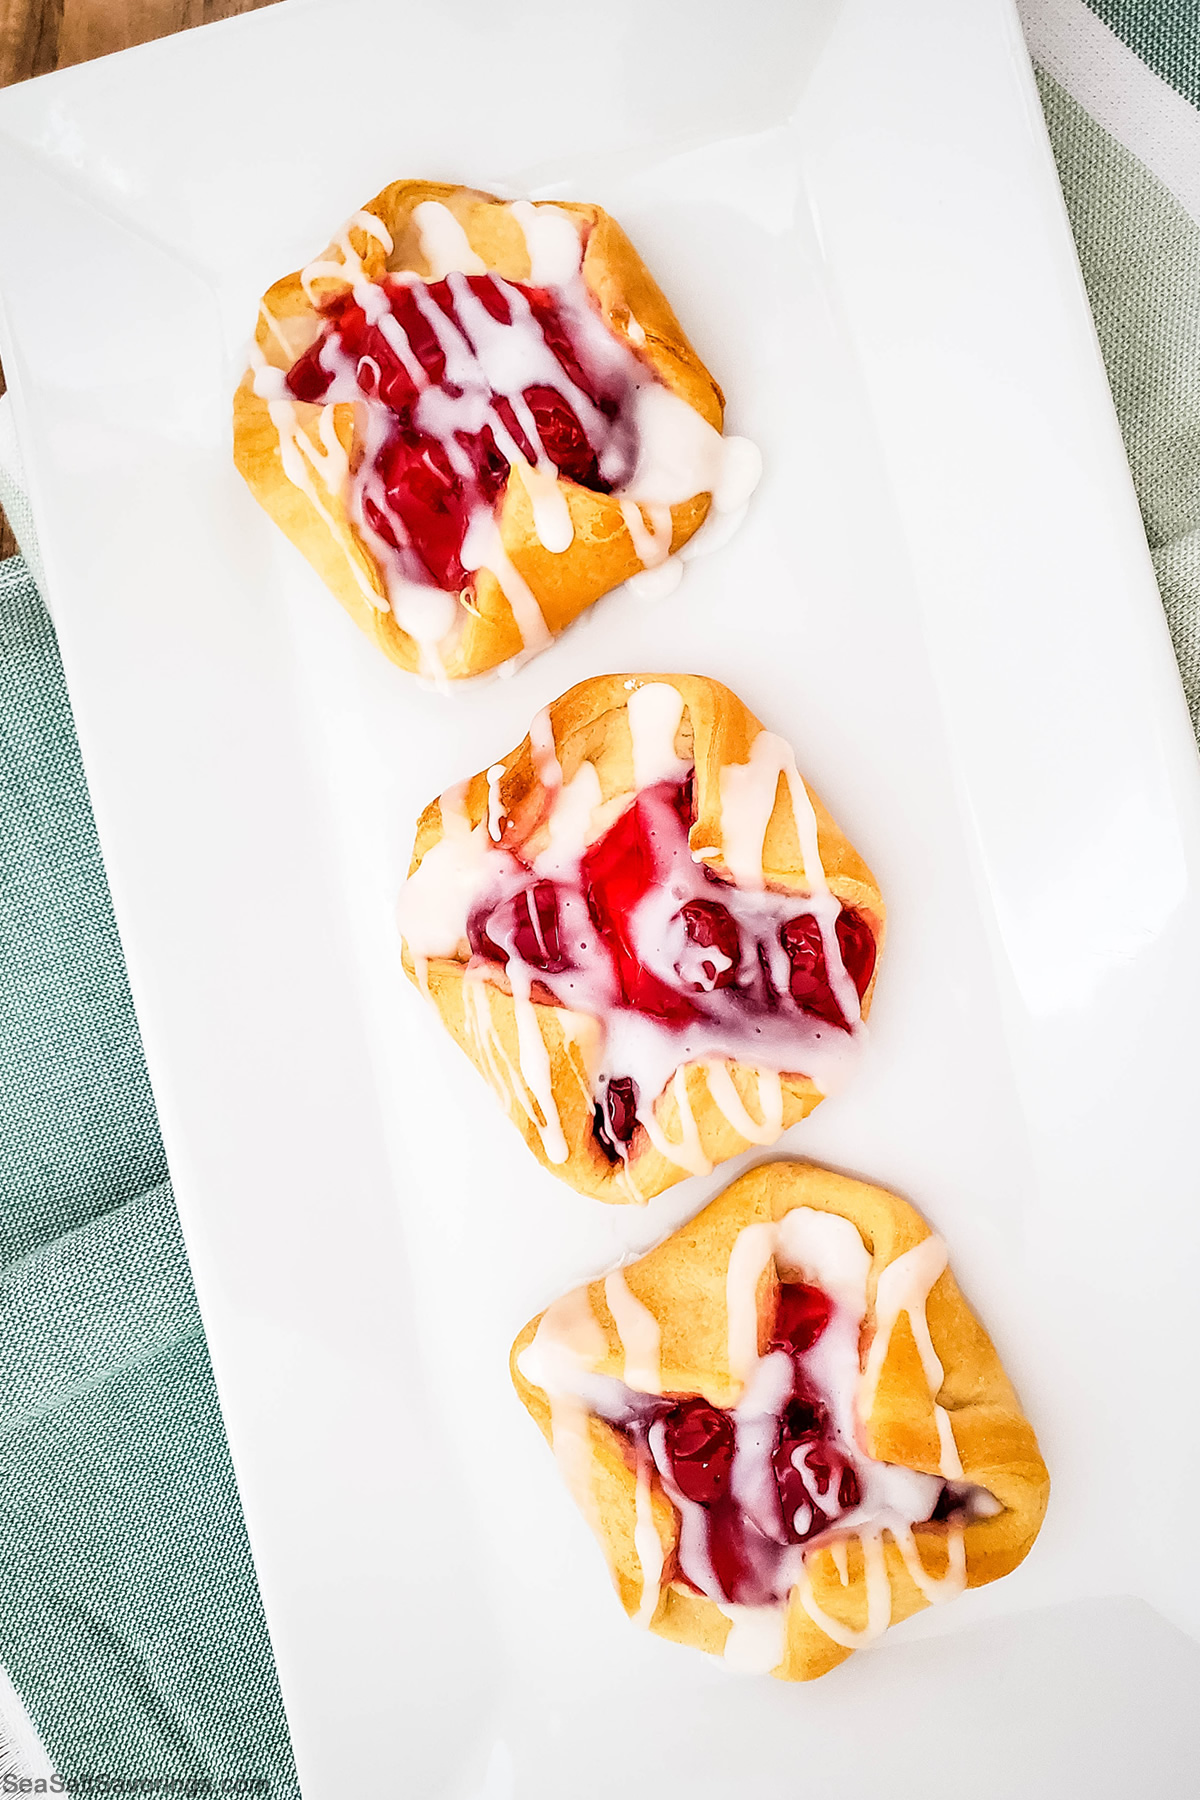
point(1140, 255)
point(1164, 33)
point(78, 1131)
point(130, 1621)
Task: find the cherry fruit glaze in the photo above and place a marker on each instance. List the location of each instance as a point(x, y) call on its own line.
point(713, 959)
point(812, 1482)
point(427, 483)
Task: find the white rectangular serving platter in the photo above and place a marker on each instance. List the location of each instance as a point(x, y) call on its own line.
point(942, 597)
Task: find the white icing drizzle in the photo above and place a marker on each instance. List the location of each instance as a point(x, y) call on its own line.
point(655, 713)
point(568, 1343)
point(372, 298)
point(561, 1360)
point(495, 820)
point(639, 1336)
point(514, 357)
point(949, 1461)
point(300, 457)
point(688, 1153)
point(531, 1084)
point(679, 453)
point(679, 456)
point(748, 793)
point(651, 528)
point(827, 1250)
point(696, 1160)
point(638, 1330)
point(432, 913)
point(656, 583)
point(770, 1104)
point(879, 1597)
point(426, 613)
point(738, 469)
point(293, 334)
point(693, 1518)
point(552, 240)
point(545, 754)
point(551, 514)
point(904, 1287)
point(523, 1084)
point(757, 1638)
point(752, 1250)
point(480, 1029)
point(350, 265)
point(534, 1058)
point(935, 1589)
point(740, 474)
point(444, 243)
point(429, 614)
point(437, 897)
point(570, 828)
point(730, 1102)
point(482, 548)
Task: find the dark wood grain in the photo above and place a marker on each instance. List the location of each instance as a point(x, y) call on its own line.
point(29, 36)
point(96, 27)
point(37, 36)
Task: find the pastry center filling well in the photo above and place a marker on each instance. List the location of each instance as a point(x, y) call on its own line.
point(458, 380)
point(679, 964)
point(757, 1484)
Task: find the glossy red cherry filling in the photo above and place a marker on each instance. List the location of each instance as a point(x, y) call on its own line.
point(713, 971)
point(809, 980)
point(710, 926)
point(801, 1315)
point(427, 480)
point(699, 1447)
point(616, 872)
point(745, 1534)
point(617, 1119)
point(527, 926)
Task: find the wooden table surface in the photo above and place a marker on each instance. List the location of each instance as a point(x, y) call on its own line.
point(39, 35)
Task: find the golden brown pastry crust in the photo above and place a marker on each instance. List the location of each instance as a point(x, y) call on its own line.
point(683, 1284)
point(602, 554)
point(590, 724)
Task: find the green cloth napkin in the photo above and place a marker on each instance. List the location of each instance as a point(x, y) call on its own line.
point(1120, 88)
point(130, 1621)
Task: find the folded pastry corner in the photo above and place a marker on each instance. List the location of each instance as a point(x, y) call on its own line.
point(785, 1426)
point(474, 417)
point(646, 932)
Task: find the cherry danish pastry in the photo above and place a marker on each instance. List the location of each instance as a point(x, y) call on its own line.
point(646, 932)
point(476, 416)
point(785, 1426)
